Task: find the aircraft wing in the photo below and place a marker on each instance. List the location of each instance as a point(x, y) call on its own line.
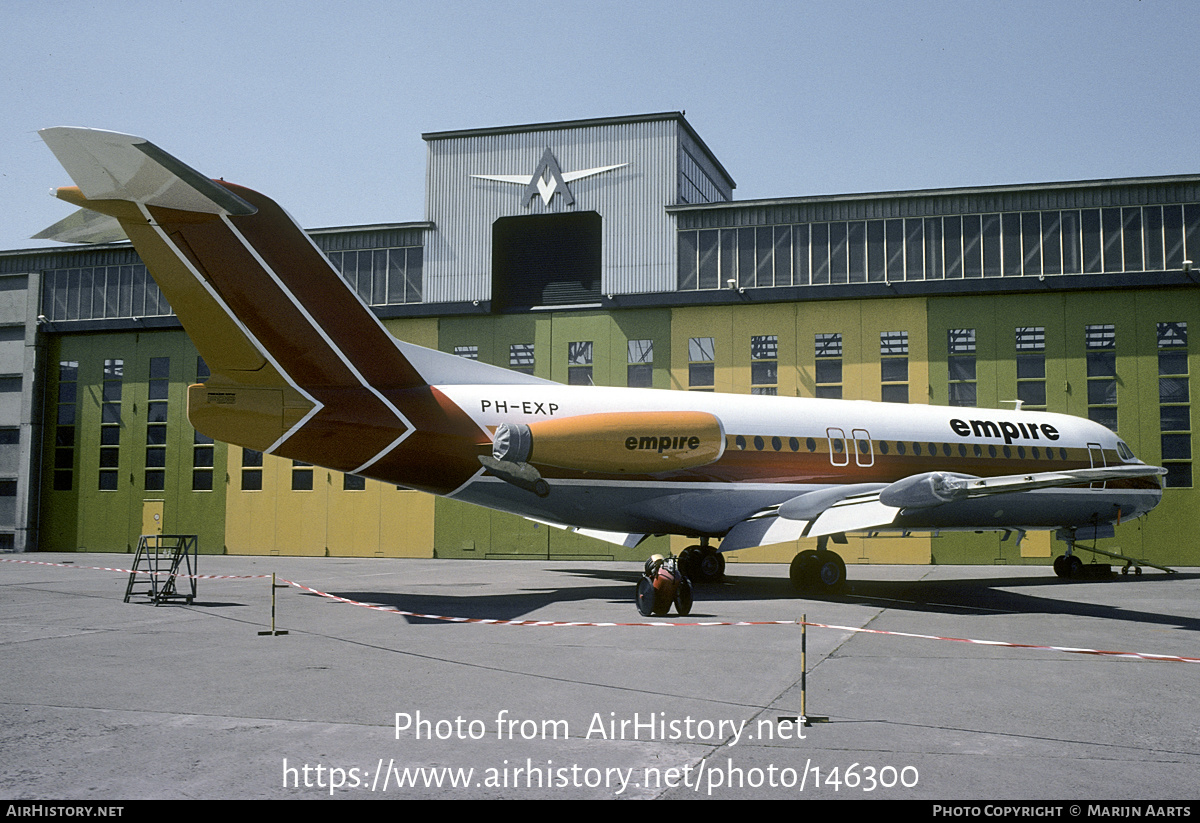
point(626, 539)
point(876, 505)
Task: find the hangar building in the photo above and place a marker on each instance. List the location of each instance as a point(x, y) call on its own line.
point(611, 252)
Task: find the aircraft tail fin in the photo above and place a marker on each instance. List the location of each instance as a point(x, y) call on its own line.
point(297, 358)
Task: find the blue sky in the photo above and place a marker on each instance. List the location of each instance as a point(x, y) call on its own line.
point(321, 105)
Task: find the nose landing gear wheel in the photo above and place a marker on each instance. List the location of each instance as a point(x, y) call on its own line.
point(1060, 565)
point(1068, 567)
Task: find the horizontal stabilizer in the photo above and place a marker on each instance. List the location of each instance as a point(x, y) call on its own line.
point(107, 165)
point(84, 226)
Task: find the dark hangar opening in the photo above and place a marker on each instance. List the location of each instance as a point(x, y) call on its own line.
point(545, 260)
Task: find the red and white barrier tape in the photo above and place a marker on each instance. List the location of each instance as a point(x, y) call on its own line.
point(554, 623)
point(136, 571)
point(656, 624)
point(1003, 644)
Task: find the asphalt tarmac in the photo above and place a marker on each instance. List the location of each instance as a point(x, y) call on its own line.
point(106, 700)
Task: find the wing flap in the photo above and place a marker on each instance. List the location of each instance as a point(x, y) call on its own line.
point(853, 514)
point(626, 539)
point(763, 530)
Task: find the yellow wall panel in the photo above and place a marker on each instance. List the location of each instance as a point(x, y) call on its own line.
point(405, 522)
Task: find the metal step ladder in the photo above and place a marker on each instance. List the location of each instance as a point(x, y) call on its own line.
point(159, 559)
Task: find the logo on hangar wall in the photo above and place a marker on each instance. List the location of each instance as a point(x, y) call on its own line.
point(547, 179)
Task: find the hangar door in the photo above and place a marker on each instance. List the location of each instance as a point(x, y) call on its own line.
point(545, 260)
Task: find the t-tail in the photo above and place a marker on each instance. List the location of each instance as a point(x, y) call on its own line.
point(300, 366)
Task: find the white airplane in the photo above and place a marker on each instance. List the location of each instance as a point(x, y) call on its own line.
point(302, 369)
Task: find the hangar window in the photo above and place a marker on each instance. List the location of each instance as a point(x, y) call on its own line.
point(302, 476)
point(1089, 222)
point(97, 292)
point(893, 366)
point(1174, 220)
point(252, 475)
point(1072, 250)
point(579, 363)
point(640, 371)
point(1031, 367)
point(961, 366)
point(1110, 222)
point(64, 432)
point(156, 424)
point(202, 462)
point(1174, 399)
point(695, 185)
point(467, 352)
point(110, 423)
point(382, 276)
point(520, 357)
point(701, 364)
point(353, 483)
point(828, 373)
point(965, 246)
point(764, 364)
point(10, 453)
point(1100, 342)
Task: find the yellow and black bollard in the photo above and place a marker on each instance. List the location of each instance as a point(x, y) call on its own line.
point(273, 632)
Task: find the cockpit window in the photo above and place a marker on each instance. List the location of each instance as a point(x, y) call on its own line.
point(1125, 452)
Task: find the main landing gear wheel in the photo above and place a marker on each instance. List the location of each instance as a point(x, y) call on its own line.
point(689, 561)
point(823, 572)
point(803, 570)
point(712, 565)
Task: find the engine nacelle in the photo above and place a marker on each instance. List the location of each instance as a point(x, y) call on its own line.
point(923, 491)
point(615, 442)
